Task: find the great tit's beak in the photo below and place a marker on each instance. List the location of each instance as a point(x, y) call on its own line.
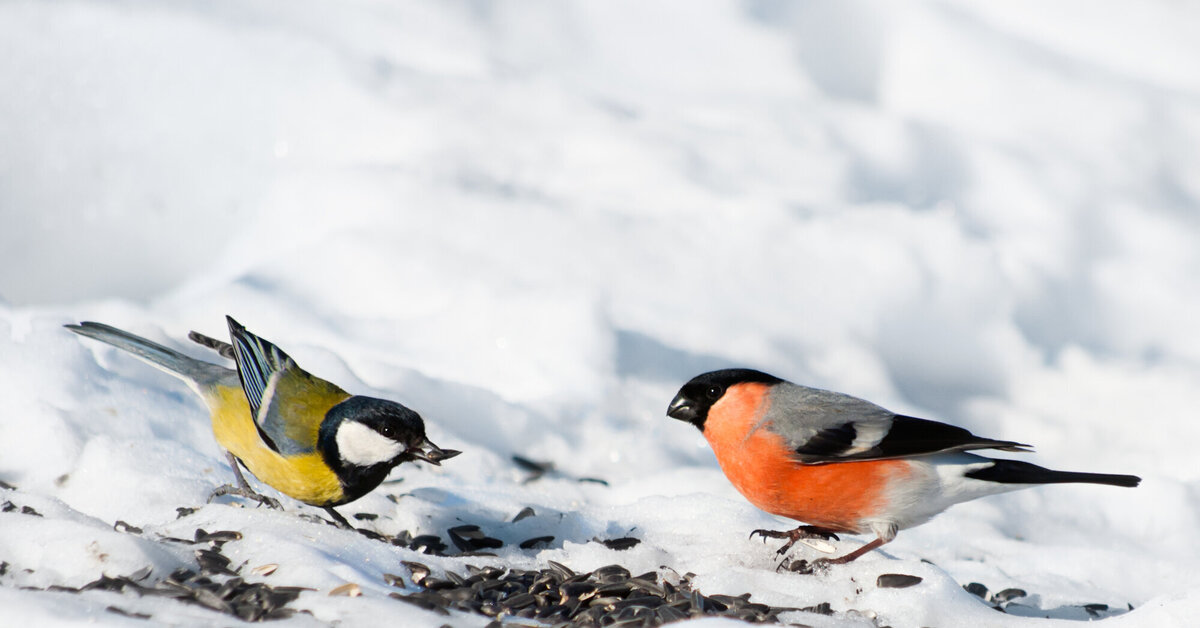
point(683, 409)
point(427, 451)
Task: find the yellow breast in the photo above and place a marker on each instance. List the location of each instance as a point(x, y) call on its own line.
point(306, 477)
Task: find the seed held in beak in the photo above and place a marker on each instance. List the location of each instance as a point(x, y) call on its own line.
point(427, 451)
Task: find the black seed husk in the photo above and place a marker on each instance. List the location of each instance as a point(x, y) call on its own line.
point(535, 541)
point(896, 581)
point(976, 589)
point(1008, 595)
point(622, 543)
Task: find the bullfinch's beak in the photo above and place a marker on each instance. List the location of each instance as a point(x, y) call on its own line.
point(683, 409)
point(427, 451)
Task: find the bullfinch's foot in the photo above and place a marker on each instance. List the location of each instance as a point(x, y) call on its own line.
point(802, 532)
point(823, 564)
point(229, 489)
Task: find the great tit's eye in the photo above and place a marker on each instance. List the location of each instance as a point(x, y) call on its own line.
point(714, 392)
point(388, 431)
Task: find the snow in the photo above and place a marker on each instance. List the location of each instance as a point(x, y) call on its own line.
point(532, 222)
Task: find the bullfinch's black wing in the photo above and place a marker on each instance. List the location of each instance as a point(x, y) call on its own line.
point(823, 426)
point(288, 404)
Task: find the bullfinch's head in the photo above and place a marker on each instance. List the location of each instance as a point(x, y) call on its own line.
point(369, 432)
point(697, 396)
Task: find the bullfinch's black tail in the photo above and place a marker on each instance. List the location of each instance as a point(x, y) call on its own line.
point(1017, 472)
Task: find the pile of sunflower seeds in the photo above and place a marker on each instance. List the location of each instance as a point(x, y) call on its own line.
point(556, 595)
point(214, 585)
point(470, 540)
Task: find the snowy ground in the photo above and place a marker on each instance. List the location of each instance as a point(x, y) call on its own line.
point(532, 222)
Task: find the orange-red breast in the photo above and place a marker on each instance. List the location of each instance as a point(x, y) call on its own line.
point(842, 464)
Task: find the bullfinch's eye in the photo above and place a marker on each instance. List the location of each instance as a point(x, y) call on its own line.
point(714, 392)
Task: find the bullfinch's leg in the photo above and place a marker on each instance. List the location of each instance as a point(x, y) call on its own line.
point(339, 519)
point(803, 566)
point(242, 489)
point(802, 532)
point(841, 560)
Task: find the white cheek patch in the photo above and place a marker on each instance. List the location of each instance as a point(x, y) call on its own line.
point(362, 446)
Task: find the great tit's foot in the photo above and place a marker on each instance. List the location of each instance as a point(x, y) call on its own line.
point(339, 519)
point(802, 532)
point(229, 489)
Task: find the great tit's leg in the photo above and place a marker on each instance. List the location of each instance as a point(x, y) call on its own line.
point(243, 488)
point(802, 532)
point(237, 472)
point(338, 518)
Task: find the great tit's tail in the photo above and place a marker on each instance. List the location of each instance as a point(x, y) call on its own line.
point(198, 374)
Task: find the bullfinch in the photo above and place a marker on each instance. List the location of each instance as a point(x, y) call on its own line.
point(299, 434)
point(841, 464)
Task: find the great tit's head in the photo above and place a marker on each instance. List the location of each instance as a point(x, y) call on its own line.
point(697, 397)
point(370, 432)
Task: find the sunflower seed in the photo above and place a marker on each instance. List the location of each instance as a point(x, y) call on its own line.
point(140, 574)
point(428, 544)
point(620, 544)
point(349, 589)
point(1008, 595)
point(616, 589)
point(562, 569)
point(218, 537)
point(976, 589)
point(213, 562)
point(469, 538)
point(264, 570)
point(520, 601)
point(417, 571)
point(536, 541)
point(393, 580)
point(649, 586)
point(897, 581)
point(577, 591)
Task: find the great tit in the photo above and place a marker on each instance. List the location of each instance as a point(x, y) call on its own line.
point(303, 436)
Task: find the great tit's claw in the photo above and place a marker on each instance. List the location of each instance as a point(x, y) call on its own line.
point(229, 489)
